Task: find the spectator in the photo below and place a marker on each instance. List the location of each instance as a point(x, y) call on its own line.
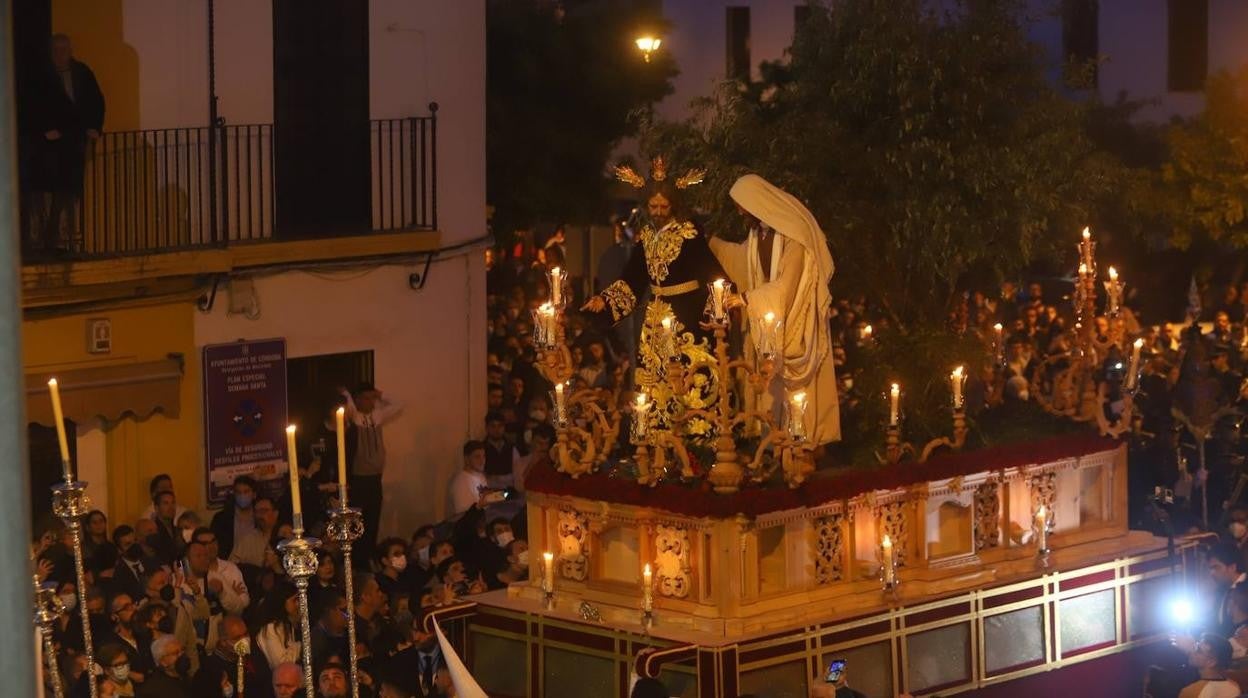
point(465, 488)
point(69, 113)
point(1211, 657)
point(278, 639)
point(541, 440)
point(218, 671)
point(171, 678)
point(116, 663)
point(161, 483)
point(168, 540)
point(129, 571)
point(329, 632)
point(516, 569)
point(224, 578)
point(331, 681)
point(287, 681)
point(1224, 569)
point(501, 457)
point(201, 602)
point(369, 606)
point(367, 412)
point(392, 558)
point(235, 525)
point(124, 634)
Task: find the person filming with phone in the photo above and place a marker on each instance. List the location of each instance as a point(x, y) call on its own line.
point(834, 683)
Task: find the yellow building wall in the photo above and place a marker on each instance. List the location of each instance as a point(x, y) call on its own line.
point(136, 449)
point(97, 30)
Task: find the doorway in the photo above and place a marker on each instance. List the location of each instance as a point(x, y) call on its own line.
point(44, 462)
point(320, 114)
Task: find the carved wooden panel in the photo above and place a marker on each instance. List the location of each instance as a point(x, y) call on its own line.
point(573, 545)
point(1044, 491)
point(829, 543)
point(672, 552)
point(892, 522)
point(987, 516)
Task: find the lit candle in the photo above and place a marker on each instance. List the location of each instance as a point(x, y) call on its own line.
point(559, 405)
point(957, 379)
point(1113, 274)
point(647, 589)
point(340, 416)
point(1042, 529)
point(548, 576)
point(667, 343)
point(1083, 269)
point(61, 439)
point(797, 415)
point(292, 459)
point(894, 404)
point(640, 409)
point(890, 572)
point(1087, 235)
point(1134, 368)
point(718, 288)
point(866, 333)
point(549, 324)
point(556, 283)
point(767, 335)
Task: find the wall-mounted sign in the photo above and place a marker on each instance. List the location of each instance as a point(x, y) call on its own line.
point(245, 414)
point(99, 335)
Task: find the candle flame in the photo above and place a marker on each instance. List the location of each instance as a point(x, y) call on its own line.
point(1087, 233)
point(998, 327)
point(957, 373)
point(896, 389)
point(718, 283)
point(1041, 513)
point(647, 571)
point(888, 542)
point(549, 557)
point(559, 388)
point(1139, 343)
point(1083, 268)
point(1113, 274)
point(342, 411)
point(554, 271)
point(641, 400)
point(667, 322)
point(866, 331)
point(799, 398)
point(769, 317)
point(290, 429)
point(51, 382)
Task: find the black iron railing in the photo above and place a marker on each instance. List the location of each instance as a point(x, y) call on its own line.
point(169, 189)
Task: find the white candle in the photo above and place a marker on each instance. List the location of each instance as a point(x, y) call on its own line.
point(667, 343)
point(1113, 274)
point(1134, 369)
point(556, 290)
point(890, 572)
point(1042, 528)
point(292, 459)
point(718, 288)
point(61, 439)
point(640, 409)
point(549, 323)
point(797, 415)
point(767, 335)
point(559, 404)
point(957, 379)
point(894, 404)
point(1087, 235)
point(340, 423)
point(548, 575)
point(647, 589)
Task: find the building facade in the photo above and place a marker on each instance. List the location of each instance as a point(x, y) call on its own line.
point(337, 204)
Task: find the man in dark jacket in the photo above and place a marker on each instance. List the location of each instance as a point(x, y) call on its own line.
point(218, 672)
point(68, 117)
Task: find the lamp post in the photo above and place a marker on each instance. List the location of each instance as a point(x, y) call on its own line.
point(648, 44)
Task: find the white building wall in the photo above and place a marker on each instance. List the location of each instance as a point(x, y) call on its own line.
point(1132, 40)
point(420, 341)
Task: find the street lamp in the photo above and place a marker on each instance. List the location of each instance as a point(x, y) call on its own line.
point(648, 45)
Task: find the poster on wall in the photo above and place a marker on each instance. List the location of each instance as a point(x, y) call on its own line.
point(245, 415)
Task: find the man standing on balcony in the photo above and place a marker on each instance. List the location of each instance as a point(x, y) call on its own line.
point(69, 116)
point(367, 412)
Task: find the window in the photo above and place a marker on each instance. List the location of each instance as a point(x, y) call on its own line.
point(1188, 45)
point(801, 13)
point(738, 43)
point(1079, 41)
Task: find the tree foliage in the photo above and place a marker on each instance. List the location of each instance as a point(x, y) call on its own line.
point(563, 81)
point(1204, 183)
point(930, 146)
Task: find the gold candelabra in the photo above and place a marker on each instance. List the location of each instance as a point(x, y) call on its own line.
point(346, 525)
point(71, 504)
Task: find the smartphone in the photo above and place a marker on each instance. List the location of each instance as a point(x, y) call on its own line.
point(836, 669)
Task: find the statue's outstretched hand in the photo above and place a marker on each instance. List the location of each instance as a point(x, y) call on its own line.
point(595, 304)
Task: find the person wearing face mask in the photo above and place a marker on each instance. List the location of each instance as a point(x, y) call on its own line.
point(181, 610)
point(171, 679)
point(124, 634)
point(517, 569)
point(392, 556)
point(116, 664)
point(129, 570)
point(235, 525)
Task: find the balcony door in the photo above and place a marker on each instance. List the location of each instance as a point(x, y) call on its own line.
point(320, 113)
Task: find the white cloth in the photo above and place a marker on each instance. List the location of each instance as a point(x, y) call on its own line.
point(278, 645)
point(465, 685)
point(228, 574)
point(799, 297)
point(464, 491)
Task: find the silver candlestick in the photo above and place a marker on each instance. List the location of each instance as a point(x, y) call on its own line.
point(48, 608)
point(346, 525)
point(70, 503)
point(299, 560)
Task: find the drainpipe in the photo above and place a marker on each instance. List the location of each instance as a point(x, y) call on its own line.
point(17, 661)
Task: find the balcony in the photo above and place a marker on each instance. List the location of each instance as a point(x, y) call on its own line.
point(199, 188)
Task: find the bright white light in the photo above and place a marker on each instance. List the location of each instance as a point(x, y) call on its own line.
point(1181, 611)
